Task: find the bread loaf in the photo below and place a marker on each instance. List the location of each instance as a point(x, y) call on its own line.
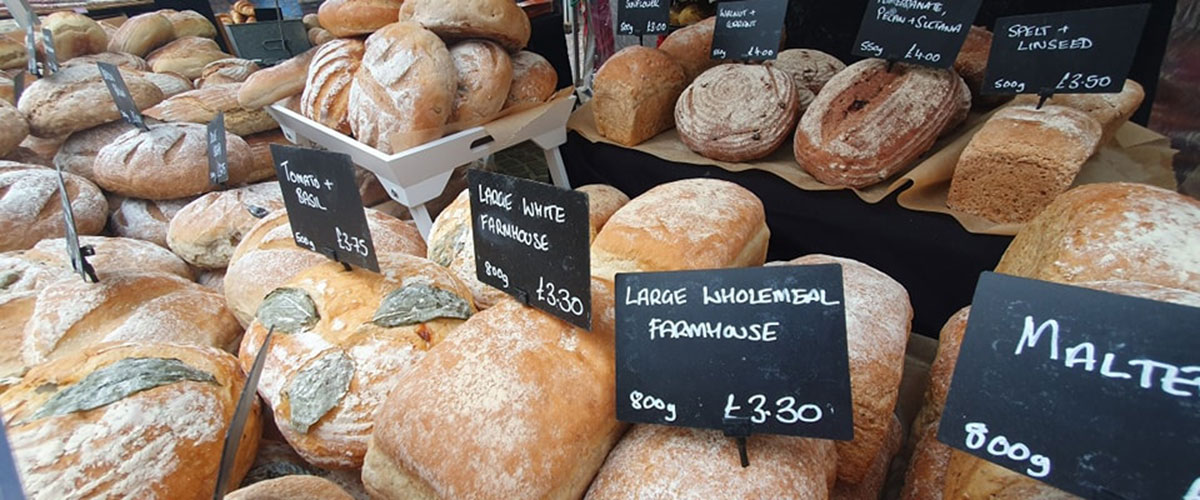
point(691, 47)
point(1020, 160)
point(277, 459)
point(872, 485)
point(12, 53)
point(145, 220)
point(202, 105)
point(119, 59)
point(496, 425)
point(346, 18)
point(231, 70)
point(485, 73)
point(311, 21)
point(603, 202)
point(869, 123)
point(282, 80)
point(186, 56)
point(171, 84)
point(780, 467)
point(76, 98)
point(7, 91)
point(688, 224)
point(635, 93)
point(320, 36)
point(191, 23)
point(971, 63)
point(1120, 231)
point(141, 34)
point(353, 335)
point(206, 231)
point(1111, 110)
point(404, 92)
point(737, 112)
point(167, 162)
point(268, 257)
point(260, 152)
point(15, 128)
point(500, 21)
point(74, 34)
point(15, 309)
point(878, 319)
point(156, 436)
point(43, 148)
point(31, 210)
point(327, 90)
point(112, 256)
point(298, 487)
point(534, 80)
point(78, 152)
point(810, 70)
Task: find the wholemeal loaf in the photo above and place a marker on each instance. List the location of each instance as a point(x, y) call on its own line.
point(202, 105)
point(500, 21)
point(141, 34)
point(780, 467)
point(404, 92)
point(120, 59)
point(186, 56)
point(737, 112)
point(76, 434)
point(31, 207)
point(810, 70)
point(534, 80)
point(295, 487)
point(14, 129)
point(347, 18)
point(1121, 231)
point(691, 47)
point(207, 230)
point(869, 123)
point(327, 90)
point(687, 224)
point(1020, 160)
point(74, 34)
point(635, 94)
point(111, 256)
point(167, 162)
point(145, 220)
point(282, 80)
point(1111, 110)
point(354, 335)
point(268, 257)
point(191, 23)
point(78, 153)
point(485, 73)
point(525, 409)
point(76, 98)
point(871, 487)
point(231, 70)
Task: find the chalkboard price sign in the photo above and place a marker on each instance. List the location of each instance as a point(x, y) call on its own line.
point(218, 156)
point(1076, 52)
point(751, 30)
point(31, 60)
point(323, 204)
point(768, 344)
point(531, 241)
point(642, 17)
point(925, 33)
point(51, 53)
point(120, 94)
point(1093, 393)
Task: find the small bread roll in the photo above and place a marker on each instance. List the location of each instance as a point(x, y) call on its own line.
point(635, 94)
point(119, 59)
point(141, 34)
point(282, 80)
point(78, 153)
point(76, 98)
point(191, 23)
point(30, 208)
point(534, 80)
point(15, 128)
point(202, 105)
point(159, 434)
point(347, 18)
point(327, 91)
point(297, 487)
point(810, 69)
point(737, 112)
point(688, 224)
point(113, 255)
point(691, 47)
point(143, 219)
point(231, 70)
point(484, 76)
point(186, 56)
point(500, 21)
point(207, 230)
point(167, 162)
point(74, 34)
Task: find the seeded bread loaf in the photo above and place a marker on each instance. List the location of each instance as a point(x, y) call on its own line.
point(635, 93)
point(737, 112)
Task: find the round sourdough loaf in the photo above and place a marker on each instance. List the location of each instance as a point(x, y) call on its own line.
point(691, 47)
point(186, 56)
point(229, 70)
point(14, 129)
point(76, 98)
point(327, 91)
point(635, 94)
point(534, 80)
point(810, 69)
point(119, 59)
point(207, 230)
point(296, 487)
point(167, 162)
point(75, 433)
point(141, 34)
point(282, 80)
point(737, 112)
point(500, 21)
point(404, 93)
point(347, 18)
point(485, 73)
point(74, 34)
point(78, 153)
point(342, 340)
point(31, 208)
point(143, 219)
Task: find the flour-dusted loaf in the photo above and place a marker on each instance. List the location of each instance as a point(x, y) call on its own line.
point(603, 202)
point(268, 85)
point(157, 436)
point(451, 244)
point(404, 93)
point(186, 56)
point(31, 207)
point(1111, 110)
point(229, 70)
point(1020, 160)
point(171, 84)
point(76, 98)
point(878, 320)
point(737, 112)
point(277, 459)
point(327, 91)
point(12, 53)
point(525, 407)
point(691, 47)
point(780, 467)
point(1121, 231)
point(343, 340)
point(202, 105)
point(78, 153)
point(143, 219)
point(190, 23)
point(141, 34)
point(14, 129)
point(207, 230)
point(635, 93)
point(533, 80)
point(347, 18)
point(74, 34)
point(167, 162)
point(112, 255)
point(688, 224)
point(268, 257)
point(294, 487)
point(869, 123)
point(500, 21)
point(485, 72)
point(120, 59)
point(810, 69)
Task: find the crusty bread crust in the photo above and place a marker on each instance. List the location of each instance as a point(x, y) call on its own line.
point(635, 93)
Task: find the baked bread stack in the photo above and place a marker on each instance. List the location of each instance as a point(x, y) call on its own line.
point(206, 231)
point(810, 70)
point(869, 123)
point(1111, 110)
point(327, 90)
point(231, 70)
point(76, 98)
point(202, 105)
point(143, 219)
point(31, 210)
point(141, 34)
point(737, 112)
point(74, 35)
point(691, 47)
point(485, 73)
point(635, 93)
point(1020, 160)
point(167, 162)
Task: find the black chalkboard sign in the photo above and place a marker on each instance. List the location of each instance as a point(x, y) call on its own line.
point(51, 52)
point(642, 17)
point(74, 253)
point(531, 241)
point(31, 60)
point(218, 157)
point(751, 30)
point(120, 94)
point(1076, 52)
point(701, 348)
point(268, 43)
point(18, 86)
point(10, 480)
point(1091, 392)
point(925, 33)
point(21, 12)
point(323, 204)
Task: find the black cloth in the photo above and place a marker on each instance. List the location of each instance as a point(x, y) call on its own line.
point(930, 254)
